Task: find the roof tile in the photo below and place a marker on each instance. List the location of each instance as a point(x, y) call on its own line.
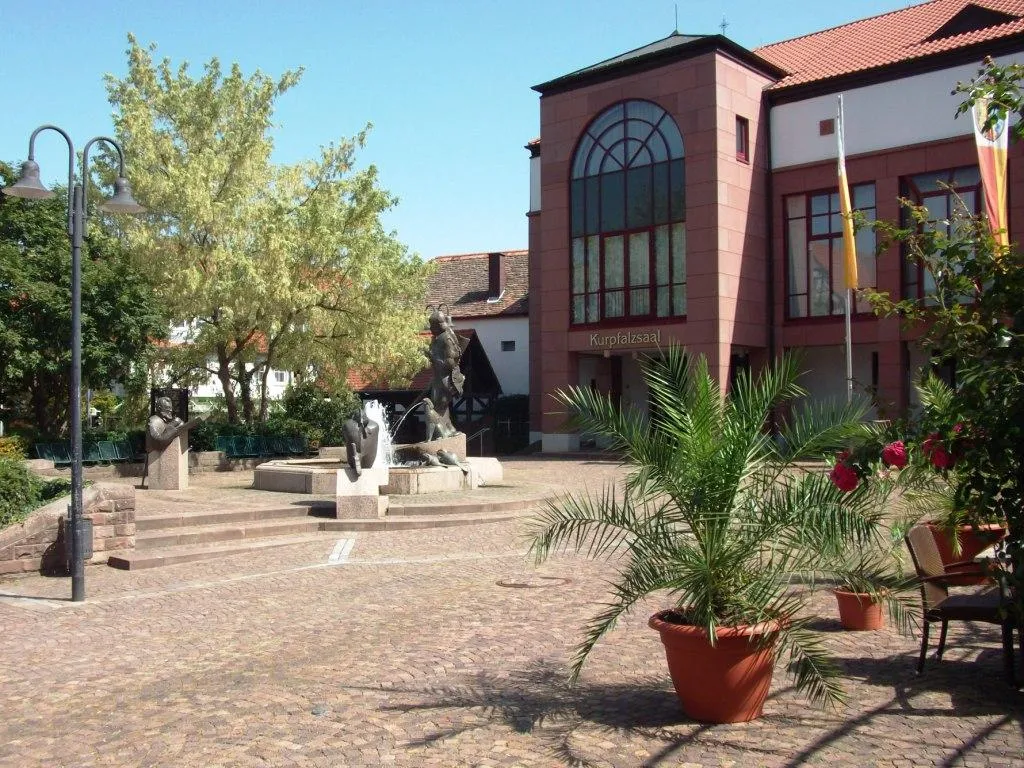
point(461, 282)
point(890, 38)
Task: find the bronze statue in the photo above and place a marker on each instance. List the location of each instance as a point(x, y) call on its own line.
point(444, 354)
point(163, 427)
point(361, 436)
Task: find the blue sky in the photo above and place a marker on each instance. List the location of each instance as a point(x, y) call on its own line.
point(446, 84)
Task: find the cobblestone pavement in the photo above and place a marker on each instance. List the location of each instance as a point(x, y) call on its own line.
point(438, 648)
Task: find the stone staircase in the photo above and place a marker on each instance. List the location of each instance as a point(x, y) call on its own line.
point(170, 538)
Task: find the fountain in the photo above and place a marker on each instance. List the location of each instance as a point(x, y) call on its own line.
point(369, 468)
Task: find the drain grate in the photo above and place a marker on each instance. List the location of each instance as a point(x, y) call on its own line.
point(532, 582)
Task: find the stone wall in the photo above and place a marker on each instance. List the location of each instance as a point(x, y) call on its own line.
point(37, 544)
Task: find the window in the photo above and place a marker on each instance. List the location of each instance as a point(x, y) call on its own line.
point(279, 376)
point(628, 217)
point(814, 252)
point(742, 139)
point(943, 193)
point(508, 346)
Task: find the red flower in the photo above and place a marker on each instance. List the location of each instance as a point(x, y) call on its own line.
point(843, 477)
point(934, 450)
point(895, 454)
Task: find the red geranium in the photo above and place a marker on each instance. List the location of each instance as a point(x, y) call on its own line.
point(935, 451)
point(843, 477)
point(895, 454)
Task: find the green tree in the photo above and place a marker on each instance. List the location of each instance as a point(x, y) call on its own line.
point(975, 316)
point(120, 315)
point(284, 266)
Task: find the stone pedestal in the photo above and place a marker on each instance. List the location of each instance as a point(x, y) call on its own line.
point(168, 469)
point(360, 497)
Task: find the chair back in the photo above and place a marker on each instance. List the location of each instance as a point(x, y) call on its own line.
point(927, 563)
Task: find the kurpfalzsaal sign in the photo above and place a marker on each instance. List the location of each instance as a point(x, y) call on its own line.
point(624, 338)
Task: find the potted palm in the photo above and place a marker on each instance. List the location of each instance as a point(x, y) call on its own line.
point(718, 515)
point(871, 581)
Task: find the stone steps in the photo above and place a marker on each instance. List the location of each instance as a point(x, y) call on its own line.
point(153, 522)
point(210, 534)
point(175, 554)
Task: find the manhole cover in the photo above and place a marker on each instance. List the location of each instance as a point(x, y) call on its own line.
point(532, 582)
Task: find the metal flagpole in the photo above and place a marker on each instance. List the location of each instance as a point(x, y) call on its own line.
point(849, 350)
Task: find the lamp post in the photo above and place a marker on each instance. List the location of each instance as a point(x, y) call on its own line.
point(29, 186)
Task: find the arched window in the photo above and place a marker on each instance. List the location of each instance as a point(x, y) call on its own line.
point(628, 214)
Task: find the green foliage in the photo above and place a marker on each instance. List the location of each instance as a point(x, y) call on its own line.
point(21, 491)
point(273, 266)
point(715, 511)
point(12, 448)
point(975, 316)
point(19, 495)
point(120, 315)
point(322, 413)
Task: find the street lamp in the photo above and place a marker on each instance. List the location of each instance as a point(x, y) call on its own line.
point(29, 186)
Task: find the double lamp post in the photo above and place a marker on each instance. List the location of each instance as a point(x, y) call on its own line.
point(29, 186)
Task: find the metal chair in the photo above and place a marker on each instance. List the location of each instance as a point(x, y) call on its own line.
point(940, 606)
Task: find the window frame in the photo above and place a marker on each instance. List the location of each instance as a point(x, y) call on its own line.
point(656, 187)
point(831, 237)
point(908, 190)
point(742, 139)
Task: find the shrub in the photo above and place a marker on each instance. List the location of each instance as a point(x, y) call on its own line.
point(322, 413)
point(12, 448)
point(19, 492)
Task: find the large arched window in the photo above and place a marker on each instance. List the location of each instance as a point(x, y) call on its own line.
point(628, 207)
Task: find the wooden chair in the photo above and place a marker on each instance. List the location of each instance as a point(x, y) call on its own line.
point(940, 606)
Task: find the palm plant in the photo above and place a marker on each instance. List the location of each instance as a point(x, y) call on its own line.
point(716, 510)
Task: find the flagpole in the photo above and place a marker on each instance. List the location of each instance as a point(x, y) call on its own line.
point(849, 245)
point(849, 350)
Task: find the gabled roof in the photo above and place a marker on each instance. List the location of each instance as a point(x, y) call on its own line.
point(361, 382)
point(675, 47)
point(461, 282)
point(900, 36)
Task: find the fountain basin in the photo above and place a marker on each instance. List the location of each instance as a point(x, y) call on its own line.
point(324, 476)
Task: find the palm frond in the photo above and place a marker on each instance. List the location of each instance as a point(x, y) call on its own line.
point(815, 672)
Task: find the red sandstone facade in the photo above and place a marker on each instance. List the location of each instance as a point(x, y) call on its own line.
point(738, 258)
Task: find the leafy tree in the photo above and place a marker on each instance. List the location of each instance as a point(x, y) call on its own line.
point(120, 316)
point(272, 266)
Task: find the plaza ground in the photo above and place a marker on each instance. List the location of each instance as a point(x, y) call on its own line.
point(441, 647)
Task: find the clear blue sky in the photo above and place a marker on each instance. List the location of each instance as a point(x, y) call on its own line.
point(446, 84)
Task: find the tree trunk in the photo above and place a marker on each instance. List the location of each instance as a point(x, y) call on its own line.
point(224, 375)
point(244, 379)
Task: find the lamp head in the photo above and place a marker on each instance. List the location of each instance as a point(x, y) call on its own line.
point(122, 201)
point(28, 184)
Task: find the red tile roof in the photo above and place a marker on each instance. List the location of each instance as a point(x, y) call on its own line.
point(898, 36)
point(461, 282)
point(362, 381)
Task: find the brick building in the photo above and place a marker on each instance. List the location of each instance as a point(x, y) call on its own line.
point(686, 191)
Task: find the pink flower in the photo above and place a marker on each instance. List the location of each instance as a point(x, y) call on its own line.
point(895, 454)
point(843, 477)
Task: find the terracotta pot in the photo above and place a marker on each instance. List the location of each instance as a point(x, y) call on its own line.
point(972, 542)
point(724, 683)
point(858, 612)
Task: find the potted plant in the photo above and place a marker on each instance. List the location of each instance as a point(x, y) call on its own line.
point(716, 513)
point(961, 529)
point(871, 581)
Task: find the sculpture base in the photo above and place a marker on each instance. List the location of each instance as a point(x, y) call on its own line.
point(168, 468)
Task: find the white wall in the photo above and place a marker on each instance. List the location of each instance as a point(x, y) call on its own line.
point(511, 368)
point(910, 110)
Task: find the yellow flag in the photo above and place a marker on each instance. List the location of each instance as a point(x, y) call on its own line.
point(849, 244)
